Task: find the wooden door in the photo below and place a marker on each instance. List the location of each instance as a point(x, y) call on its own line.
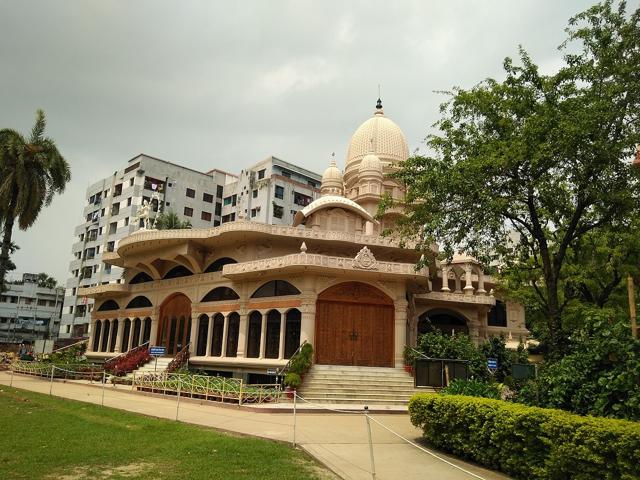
point(354, 326)
point(175, 323)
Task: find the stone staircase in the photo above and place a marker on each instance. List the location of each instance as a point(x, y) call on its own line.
point(150, 367)
point(358, 385)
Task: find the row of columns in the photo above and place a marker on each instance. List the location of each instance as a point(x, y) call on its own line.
point(96, 344)
point(468, 279)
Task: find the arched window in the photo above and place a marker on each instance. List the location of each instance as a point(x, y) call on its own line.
point(139, 302)
point(232, 334)
point(96, 336)
point(108, 305)
point(498, 315)
point(216, 335)
point(272, 347)
point(292, 333)
point(141, 277)
point(203, 331)
point(136, 333)
point(114, 327)
point(105, 336)
point(177, 272)
point(217, 265)
point(220, 293)
point(124, 346)
point(255, 330)
point(275, 288)
point(147, 330)
point(445, 321)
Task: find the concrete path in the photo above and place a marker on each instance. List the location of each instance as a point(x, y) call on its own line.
point(337, 440)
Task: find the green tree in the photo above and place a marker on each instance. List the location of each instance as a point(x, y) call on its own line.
point(32, 171)
point(541, 159)
point(170, 221)
point(45, 281)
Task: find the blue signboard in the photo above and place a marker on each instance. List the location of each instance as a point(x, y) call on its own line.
point(157, 351)
point(492, 363)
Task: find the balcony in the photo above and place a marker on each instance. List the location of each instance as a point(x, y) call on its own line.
point(109, 289)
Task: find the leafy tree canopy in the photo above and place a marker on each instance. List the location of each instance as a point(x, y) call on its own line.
point(522, 169)
point(170, 221)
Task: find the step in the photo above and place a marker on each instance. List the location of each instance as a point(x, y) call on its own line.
point(352, 401)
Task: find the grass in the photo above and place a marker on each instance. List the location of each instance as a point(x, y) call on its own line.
point(51, 438)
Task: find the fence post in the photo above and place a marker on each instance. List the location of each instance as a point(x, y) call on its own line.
point(295, 398)
point(133, 381)
point(104, 383)
point(373, 464)
point(178, 403)
point(53, 367)
point(240, 396)
point(11, 381)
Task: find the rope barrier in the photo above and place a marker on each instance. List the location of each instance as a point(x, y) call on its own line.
point(425, 450)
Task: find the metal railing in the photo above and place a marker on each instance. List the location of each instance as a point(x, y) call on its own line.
point(283, 371)
point(67, 371)
point(437, 372)
point(216, 389)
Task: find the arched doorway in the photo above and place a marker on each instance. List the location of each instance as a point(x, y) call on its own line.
point(175, 323)
point(443, 320)
point(354, 326)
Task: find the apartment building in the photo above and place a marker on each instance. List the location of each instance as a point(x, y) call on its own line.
point(271, 191)
point(29, 312)
point(109, 214)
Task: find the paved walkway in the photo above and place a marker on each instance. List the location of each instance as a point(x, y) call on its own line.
point(337, 440)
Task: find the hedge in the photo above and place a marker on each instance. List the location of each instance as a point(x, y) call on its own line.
point(529, 442)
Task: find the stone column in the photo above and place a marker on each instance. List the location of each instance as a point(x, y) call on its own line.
point(92, 336)
point(209, 336)
point(193, 341)
point(445, 279)
point(119, 335)
point(481, 290)
point(155, 325)
point(110, 335)
point(225, 334)
point(468, 280)
point(458, 282)
point(308, 319)
point(263, 335)
point(400, 331)
point(242, 333)
point(283, 326)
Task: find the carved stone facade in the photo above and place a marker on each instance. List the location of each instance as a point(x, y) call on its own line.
point(252, 293)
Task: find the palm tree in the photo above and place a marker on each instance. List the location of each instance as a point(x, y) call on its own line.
point(32, 171)
point(170, 221)
point(46, 281)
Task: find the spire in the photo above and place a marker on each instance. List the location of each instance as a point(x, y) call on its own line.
point(333, 160)
point(379, 110)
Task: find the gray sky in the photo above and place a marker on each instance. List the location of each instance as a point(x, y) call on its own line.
point(225, 84)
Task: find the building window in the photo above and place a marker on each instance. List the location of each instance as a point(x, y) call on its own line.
point(219, 191)
point(126, 222)
point(188, 211)
point(129, 202)
point(113, 227)
point(115, 209)
point(206, 216)
point(191, 193)
point(131, 180)
point(216, 223)
point(261, 174)
point(218, 209)
point(286, 173)
point(117, 190)
point(207, 197)
point(111, 246)
point(277, 211)
point(254, 212)
point(255, 194)
point(227, 201)
point(301, 199)
point(312, 184)
point(279, 192)
point(234, 200)
point(498, 315)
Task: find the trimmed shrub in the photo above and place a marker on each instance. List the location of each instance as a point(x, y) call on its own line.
point(529, 442)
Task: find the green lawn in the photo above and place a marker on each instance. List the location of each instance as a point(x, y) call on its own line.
point(51, 438)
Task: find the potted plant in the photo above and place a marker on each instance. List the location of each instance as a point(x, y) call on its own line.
point(409, 356)
point(292, 381)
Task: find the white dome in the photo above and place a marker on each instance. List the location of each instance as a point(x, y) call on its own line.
point(379, 136)
point(332, 180)
point(332, 201)
point(370, 164)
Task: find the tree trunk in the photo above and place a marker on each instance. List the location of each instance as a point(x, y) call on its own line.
point(9, 220)
point(556, 340)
